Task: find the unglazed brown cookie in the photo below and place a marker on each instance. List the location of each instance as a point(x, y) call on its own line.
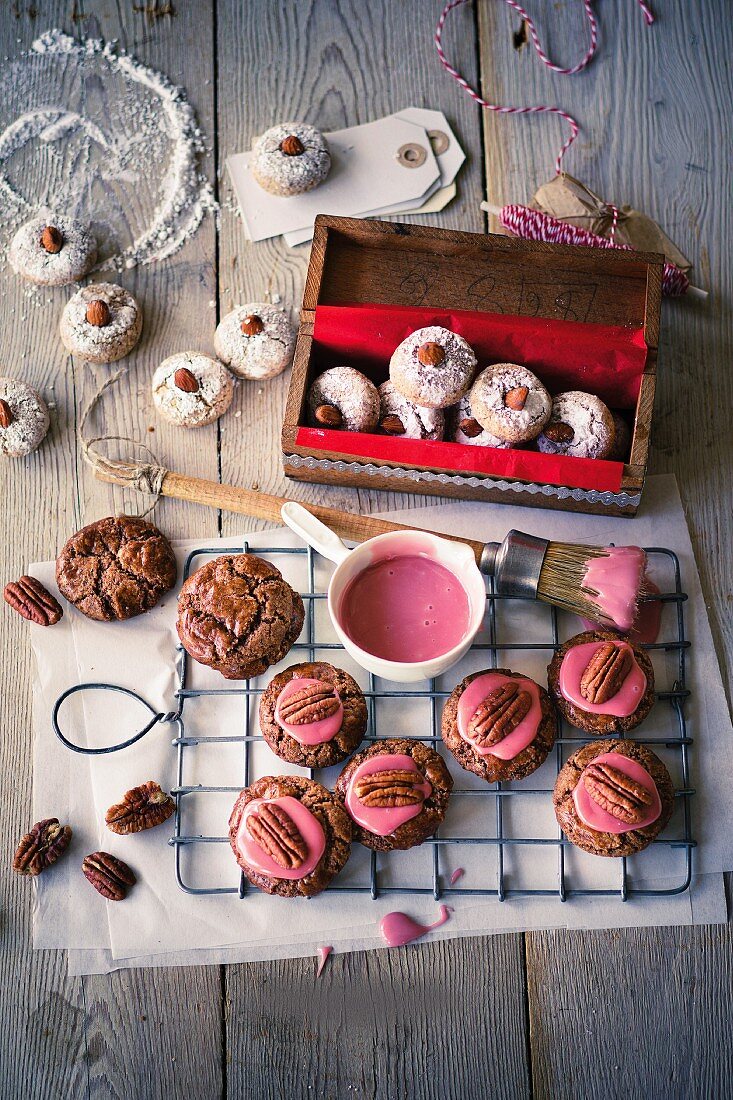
point(496, 710)
point(411, 779)
point(116, 568)
point(615, 792)
point(238, 615)
point(335, 695)
point(433, 367)
point(592, 721)
point(510, 402)
point(580, 425)
point(285, 837)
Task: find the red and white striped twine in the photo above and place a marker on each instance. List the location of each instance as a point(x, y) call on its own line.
point(543, 108)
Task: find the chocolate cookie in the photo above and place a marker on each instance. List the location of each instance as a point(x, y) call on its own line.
point(289, 835)
point(238, 615)
point(313, 715)
point(396, 793)
point(613, 798)
point(116, 568)
point(503, 712)
point(602, 683)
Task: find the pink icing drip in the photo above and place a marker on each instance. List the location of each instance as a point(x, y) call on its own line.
point(384, 821)
point(616, 576)
point(597, 818)
point(620, 705)
point(407, 608)
point(323, 953)
point(458, 873)
point(519, 738)
point(647, 623)
point(310, 733)
point(308, 825)
point(398, 929)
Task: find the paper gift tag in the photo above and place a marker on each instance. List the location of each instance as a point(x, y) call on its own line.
point(387, 161)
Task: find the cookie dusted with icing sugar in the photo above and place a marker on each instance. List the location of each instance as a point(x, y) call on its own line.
point(53, 251)
point(24, 418)
point(191, 389)
point(102, 323)
point(290, 158)
point(433, 367)
point(256, 341)
point(402, 417)
point(510, 402)
point(580, 425)
point(463, 427)
point(343, 398)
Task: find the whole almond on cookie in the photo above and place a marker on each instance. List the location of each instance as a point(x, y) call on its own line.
point(392, 425)
point(516, 399)
point(252, 325)
point(292, 146)
point(558, 432)
point(6, 415)
point(52, 239)
point(329, 416)
point(430, 354)
point(185, 381)
point(470, 427)
point(98, 313)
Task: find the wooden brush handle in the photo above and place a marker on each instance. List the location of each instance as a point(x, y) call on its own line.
point(263, 506)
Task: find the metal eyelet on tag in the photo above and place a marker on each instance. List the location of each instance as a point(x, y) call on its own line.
point(439, 141)
point(411, 155)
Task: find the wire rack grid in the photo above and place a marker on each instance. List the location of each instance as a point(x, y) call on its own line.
point(378, 695)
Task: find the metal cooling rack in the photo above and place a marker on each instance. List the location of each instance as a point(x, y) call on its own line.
point(437, 887)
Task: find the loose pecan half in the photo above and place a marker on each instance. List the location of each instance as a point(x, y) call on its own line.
point(142, 807)
point(616, 793)
point(274, 830)
point(311, 704)
point(385, 790)
point(605, 673)
point(109, 876)
point(41, 847)
point(34, 602)
point(501, 712)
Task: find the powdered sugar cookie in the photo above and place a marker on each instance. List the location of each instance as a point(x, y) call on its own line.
point(580, 425)
point(463, 427)
point(255, 341)
point(404, 418)
point(510, 402)
point(24, 418)
point(344, 398)
point(433, 367)
point(621, 439)
point(102, 323)
point(290, 158)
point(192, 389)
point(53, 251)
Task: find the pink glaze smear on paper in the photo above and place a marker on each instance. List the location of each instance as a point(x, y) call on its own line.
point(405, 608)
point(323, 953)
point(620, 705)
point(616, 576)
point(458, 873)
point(518, 740)
point(398, 929)
point(309, 733)
point(308, 825)
point(383, 820)
point(595, 817)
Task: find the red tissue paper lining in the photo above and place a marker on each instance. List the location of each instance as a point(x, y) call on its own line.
point(607, 360)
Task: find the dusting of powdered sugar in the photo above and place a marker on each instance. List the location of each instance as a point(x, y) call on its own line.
point(419, 423)
point(107, 141)
point(207, 403)
point(30, 419)
point(262, 355)
point(434, 387)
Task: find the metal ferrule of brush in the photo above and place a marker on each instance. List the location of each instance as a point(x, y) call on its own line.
point(515, 564)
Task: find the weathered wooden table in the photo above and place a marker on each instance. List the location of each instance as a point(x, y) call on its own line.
point(636, 1013)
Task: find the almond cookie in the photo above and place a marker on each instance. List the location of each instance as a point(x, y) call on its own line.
point(102, 323)
point(290, 158)
point(580, 425)
point(116, 568)
point(192, 389)
point(602, 683)
point(463, 427)
point(255, 341)
point(289, 835)
point(24, 419)
point(499, 725)
point(53, 251)
point(510, 402)
point(313, 715)
point(238, 615)
point(613, 798)
point(621, 450)
point(343, 398)
point(404, 418)
point(396, 793)
point(433, 367)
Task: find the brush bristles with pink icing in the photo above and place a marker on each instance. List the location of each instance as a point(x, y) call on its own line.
point(599, 583)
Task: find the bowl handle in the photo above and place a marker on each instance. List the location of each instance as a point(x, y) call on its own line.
point(312, 531)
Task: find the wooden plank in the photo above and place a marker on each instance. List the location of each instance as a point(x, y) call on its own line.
point(128, 1035)
point(375, 1023)
point(651, 1015)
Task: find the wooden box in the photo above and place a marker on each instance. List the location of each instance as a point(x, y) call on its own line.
point(583, 318)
